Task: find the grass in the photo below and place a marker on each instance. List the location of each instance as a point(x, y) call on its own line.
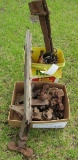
point(48, 144)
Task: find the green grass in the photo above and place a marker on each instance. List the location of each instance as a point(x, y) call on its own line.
point(48, 144)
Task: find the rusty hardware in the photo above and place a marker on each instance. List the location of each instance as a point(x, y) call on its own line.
point(18, 109)
point(40, 8)
point(25, 151)
point(39, 102)
point(36, 7)
point(47, 114)
point(46, 104)
point(36, 114)
point(54, 108)
point(48, 58)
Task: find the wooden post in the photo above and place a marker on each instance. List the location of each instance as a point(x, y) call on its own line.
point(27, 78)
point(27, 86)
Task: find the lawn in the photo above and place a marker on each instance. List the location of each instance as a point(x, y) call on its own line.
point(48, 144)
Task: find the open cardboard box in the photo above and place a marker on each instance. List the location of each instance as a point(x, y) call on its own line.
point(14, 120)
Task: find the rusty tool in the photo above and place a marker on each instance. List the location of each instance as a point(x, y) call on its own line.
point(48, 24)
point(36, 8)
point(40, 9)
point(25, 127)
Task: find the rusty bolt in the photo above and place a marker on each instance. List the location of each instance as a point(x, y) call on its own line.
point(60, 93)
point(43, 96)
point(46, 86)
point(61, 107)
point(49, 97)
point(59, 114)
point(54, 102)
point(47, 114)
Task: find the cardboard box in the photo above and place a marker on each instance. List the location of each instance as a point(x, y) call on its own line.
point(14, 120)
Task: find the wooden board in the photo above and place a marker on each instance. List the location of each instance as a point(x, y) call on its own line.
point(27, 78)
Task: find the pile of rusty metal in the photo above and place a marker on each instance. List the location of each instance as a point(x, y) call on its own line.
point(47, 103)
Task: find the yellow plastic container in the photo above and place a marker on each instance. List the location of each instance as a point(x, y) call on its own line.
point(37, 67)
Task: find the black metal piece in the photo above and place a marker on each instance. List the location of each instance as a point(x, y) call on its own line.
point(50, 58)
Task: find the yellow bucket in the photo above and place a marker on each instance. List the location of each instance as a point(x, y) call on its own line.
point(38, 67)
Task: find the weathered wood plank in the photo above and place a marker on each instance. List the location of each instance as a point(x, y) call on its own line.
point(27, 86)
point(27, 78)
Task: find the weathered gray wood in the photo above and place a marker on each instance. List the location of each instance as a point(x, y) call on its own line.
point(27, 86)
point(27, 78)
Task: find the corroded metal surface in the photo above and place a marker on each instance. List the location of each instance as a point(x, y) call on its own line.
point(28, 152)
point(40, 8)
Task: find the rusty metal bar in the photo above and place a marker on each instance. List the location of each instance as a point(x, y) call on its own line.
point(38, 8)
point(45, 33)
point(48, 23)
